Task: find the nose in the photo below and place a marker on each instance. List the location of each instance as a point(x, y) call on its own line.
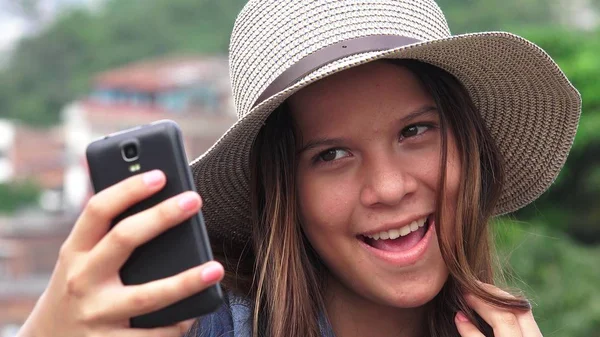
point(386, 181)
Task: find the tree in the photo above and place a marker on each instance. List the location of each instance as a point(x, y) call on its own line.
point(481, 15)
point(51, 69)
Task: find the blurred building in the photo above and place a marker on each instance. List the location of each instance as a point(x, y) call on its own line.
point(193, 91)
point(29, 244)
point(29, 238)
point(31, 154)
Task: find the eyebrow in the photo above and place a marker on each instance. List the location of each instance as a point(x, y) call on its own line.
point(330, 142)
point(418, 113)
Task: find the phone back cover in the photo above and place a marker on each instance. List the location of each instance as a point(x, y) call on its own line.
point(179, 248)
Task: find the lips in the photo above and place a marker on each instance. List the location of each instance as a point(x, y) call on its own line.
point(402, 250)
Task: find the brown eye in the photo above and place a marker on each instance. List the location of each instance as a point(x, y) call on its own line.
point(413, 130)
point(332, 154)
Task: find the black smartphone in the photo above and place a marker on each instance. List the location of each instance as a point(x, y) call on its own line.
point(156, 146)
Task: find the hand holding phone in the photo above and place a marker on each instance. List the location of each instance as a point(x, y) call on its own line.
point(150, 147)
point(87, 293)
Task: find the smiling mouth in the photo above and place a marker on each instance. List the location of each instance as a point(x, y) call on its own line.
point(399, 239)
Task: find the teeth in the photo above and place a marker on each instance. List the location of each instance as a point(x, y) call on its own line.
point(398, 232)
point(394, 234)
point(405, 230)
point(414, 226)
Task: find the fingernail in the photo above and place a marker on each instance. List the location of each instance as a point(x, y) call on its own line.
point(153, 178)
point(461, 317)
point(211, 272)
point(188, 202)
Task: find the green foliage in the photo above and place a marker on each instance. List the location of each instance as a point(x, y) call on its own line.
point(558, 276)
point(51, 69)
point(16, 195)
point(480, 15)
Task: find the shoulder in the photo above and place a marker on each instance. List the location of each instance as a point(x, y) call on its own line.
point(232, 319)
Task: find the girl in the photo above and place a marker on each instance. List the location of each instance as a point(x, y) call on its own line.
point(353, 196)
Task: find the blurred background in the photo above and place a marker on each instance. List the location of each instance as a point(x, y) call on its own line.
point(73, 70)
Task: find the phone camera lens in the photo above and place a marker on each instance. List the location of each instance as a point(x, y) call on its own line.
point(130, 152)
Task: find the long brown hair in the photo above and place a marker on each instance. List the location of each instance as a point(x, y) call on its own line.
point(284, 277)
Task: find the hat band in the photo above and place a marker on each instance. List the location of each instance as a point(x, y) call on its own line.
point(329, 54)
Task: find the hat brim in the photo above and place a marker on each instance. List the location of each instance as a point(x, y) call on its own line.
point(529, 106)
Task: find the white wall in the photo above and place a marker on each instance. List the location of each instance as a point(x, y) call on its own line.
point(7, 139)
point(77, 135)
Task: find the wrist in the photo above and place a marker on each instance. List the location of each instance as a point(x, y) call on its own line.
point(31, 326)
point(26, 331)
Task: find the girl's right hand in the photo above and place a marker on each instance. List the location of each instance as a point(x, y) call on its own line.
point(85, 296)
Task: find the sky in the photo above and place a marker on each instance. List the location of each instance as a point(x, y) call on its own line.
point(14, 26)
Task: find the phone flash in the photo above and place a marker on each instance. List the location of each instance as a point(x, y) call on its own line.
point(134, 168)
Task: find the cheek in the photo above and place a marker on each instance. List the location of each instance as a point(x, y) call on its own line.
point(322, 200)
point(325, 203)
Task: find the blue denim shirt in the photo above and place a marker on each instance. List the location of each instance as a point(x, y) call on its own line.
point(234, 319)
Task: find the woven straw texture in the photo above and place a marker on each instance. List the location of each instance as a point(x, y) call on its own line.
point(526, 101)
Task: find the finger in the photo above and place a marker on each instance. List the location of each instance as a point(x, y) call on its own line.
point(503, 322)
point(104, 206)
point(465, 327)
point(528, 324)
point(116, 247)
point(141, 299)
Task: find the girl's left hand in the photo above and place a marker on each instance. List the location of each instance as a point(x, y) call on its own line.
point(505, 323)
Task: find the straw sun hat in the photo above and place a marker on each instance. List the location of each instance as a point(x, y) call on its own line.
point(280, 46)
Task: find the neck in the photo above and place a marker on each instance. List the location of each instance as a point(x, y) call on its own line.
point(352, 315)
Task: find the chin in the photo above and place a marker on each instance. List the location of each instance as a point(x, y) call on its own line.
point(410, 295)
point(414, 299)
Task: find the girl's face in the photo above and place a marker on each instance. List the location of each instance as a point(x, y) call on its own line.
point(368, 171)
